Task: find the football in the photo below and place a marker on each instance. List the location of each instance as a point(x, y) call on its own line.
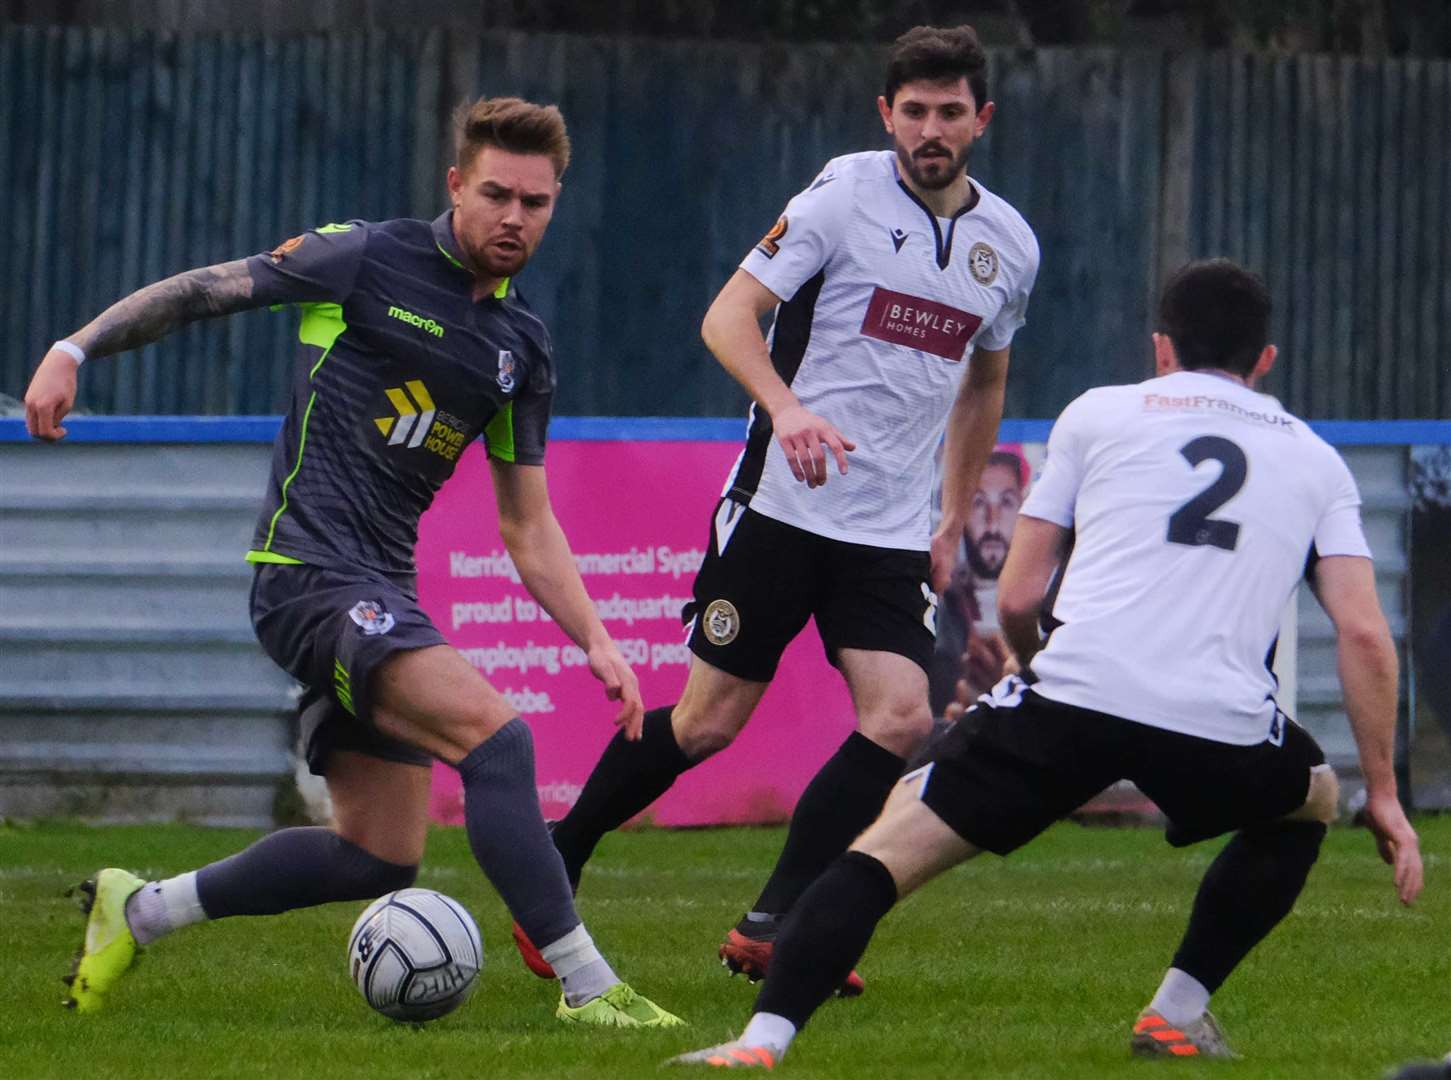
point(415, 954)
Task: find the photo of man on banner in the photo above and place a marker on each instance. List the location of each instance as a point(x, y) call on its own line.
point(970, 651)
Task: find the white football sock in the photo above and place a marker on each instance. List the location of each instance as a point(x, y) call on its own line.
point(159, 907)
point(1181, 999)
point(769, 1030)
point(581, 970)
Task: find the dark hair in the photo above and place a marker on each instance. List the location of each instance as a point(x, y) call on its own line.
point(1009, 460)
point(512, 124)
point(938, 54)
point(1217, 314)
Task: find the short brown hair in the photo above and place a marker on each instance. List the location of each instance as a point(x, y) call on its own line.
point(937, 54)
point(512, 124)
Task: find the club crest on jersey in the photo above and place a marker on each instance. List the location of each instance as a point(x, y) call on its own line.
point(721, 622)
point(506, 371)
point(371, 617)
point(771, 242)
point(982, 261)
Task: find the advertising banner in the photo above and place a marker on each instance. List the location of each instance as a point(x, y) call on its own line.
point(637, 515)
point(1429, 646)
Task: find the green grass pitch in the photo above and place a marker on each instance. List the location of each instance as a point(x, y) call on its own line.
point(1028, 967)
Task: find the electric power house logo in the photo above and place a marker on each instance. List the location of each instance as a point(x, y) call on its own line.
point(426, 325)
point(415, 414)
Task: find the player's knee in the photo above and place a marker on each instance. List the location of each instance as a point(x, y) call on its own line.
point(901, 727)
point(702, 740)
point(701, 732)
point(1322, 803)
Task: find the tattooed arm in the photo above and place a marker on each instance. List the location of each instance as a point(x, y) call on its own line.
point(151, 313)
point(141, 318)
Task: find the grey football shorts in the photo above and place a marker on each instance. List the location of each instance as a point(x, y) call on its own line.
point(330, 630)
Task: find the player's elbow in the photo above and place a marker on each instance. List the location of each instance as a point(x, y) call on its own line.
point(517, 535)
point(712, 327)
point(1369, 640)
point(1368, 631)
point(1018, 602)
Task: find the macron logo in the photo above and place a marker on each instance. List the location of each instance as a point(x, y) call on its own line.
point(426, 325)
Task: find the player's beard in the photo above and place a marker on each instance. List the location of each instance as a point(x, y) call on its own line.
point(948, 168)
point(982, 569)
point(498, 264)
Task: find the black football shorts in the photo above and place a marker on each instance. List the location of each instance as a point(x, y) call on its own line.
point(1010, 769)
point(762, 579)
point(330, 630)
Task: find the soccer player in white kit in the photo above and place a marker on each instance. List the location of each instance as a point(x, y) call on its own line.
point(1193, 506)
point(897, 284)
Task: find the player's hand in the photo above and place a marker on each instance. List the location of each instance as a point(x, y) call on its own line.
point(1397, 843)
point(609, 667)
point(806, 437)
point(985, 660)
point(51, 395)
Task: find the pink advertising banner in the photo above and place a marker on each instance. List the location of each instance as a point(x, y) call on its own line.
point(637, 515)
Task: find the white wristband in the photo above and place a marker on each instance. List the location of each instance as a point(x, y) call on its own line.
point(74, 351)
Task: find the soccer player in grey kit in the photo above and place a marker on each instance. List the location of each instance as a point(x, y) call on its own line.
point(414, 342)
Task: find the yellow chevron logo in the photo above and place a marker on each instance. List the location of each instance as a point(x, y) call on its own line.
point(415, 414)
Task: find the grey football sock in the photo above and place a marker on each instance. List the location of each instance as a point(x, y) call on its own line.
point(296, 868)
point(508, 836)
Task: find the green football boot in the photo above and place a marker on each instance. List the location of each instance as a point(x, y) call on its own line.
point(110, 948)
point(619, 1006)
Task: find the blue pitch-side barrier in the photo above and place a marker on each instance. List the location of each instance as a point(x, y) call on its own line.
point(262, 429)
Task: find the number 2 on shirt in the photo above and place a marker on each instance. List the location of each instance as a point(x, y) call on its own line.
point(1191, 523)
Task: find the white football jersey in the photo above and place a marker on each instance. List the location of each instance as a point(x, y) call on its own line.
point(882, 304)
point(1196, 504)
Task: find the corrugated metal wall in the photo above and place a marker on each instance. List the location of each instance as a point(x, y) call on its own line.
point(132, 687)
point(127, 157)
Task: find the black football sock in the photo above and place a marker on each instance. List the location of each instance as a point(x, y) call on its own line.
point(1248, 889)
point(842, 799)
point(628, 778)
point(296, 868)
point(508, 835)
point(825, 935)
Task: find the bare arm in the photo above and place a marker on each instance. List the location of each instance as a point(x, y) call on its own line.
point(546, 566)
point(1345, 587)
point(1035, 552)
point(972, 432)
point(141, 318)
point(732, 331)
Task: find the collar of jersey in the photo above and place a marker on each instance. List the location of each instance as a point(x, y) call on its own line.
point(447, 245)
point(944, 245)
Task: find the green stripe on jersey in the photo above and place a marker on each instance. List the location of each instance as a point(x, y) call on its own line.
point(322, 325)
point(500, 434)
point(255, 556)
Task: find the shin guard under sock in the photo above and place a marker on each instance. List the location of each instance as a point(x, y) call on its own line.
point(842, 799)
point(508, 835)
point(825, 935)
point(1248, 889)
point(296, 868)
point(628, 778)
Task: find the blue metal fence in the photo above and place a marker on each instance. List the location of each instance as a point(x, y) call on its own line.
point(125, 157)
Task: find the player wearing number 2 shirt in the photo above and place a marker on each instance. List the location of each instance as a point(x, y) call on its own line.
point(1195, 505)
point(897, 284)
